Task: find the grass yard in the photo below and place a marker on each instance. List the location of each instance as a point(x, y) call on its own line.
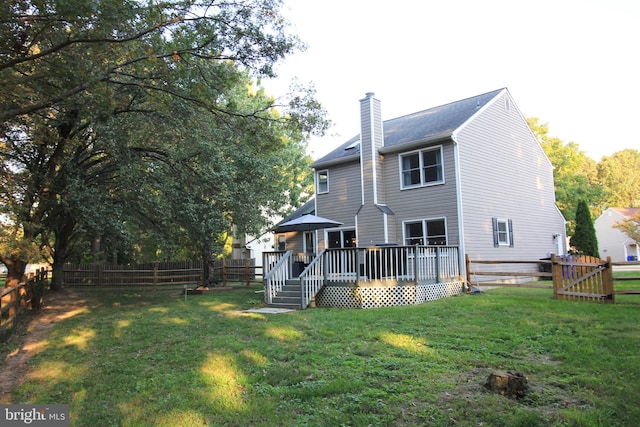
point(139, 359)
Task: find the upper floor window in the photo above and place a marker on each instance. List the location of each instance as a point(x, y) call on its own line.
point(502, 232)
point(322, 181)
point(422, 167)
point(425, 232)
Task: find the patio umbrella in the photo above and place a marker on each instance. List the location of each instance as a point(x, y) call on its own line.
point(307, 222)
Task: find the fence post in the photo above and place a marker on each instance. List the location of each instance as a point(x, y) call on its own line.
point(155, 275)
point(13, 302)
point(607, 278)
point(467, 267)
point(556, 276)
point(224, 272)
point(246, 272)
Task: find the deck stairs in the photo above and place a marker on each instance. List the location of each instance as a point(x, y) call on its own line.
point(290, 296)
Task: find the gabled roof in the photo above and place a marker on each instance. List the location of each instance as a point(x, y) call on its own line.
point(627, 212)
point(423, 126)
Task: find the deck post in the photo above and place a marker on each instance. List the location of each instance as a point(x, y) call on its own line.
point(325, 267)
point(356, 265)
point(416, 264)
point(438, 265)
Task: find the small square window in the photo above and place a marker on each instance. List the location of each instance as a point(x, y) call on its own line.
point(322, 182)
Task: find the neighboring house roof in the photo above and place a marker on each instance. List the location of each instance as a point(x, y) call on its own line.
point(308, 208)
point(627, 212)
point(428, 125)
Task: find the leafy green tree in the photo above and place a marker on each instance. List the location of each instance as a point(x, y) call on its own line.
point(584, 240)
point(630, 227)
point(98, 99)
point(620, 176)
point(574, 173)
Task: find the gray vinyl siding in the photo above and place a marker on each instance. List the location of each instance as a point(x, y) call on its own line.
point(435, 201)
point(369, 147)
point(344, 198)
point(505, 174)
point(370, 230)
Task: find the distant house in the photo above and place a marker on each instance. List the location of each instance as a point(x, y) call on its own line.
point(613, 242)
point(469, 173)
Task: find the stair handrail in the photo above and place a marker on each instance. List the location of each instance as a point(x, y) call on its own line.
point(277, 276)
point(312, 279)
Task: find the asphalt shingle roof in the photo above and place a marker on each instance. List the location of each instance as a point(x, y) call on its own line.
point(434, 123)
point(308, 208)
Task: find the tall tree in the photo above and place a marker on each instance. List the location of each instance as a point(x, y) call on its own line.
point(620, 176)
point(575, 175)
point(80, 81)
point(584, 240)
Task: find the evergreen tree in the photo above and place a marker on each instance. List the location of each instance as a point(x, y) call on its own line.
point(584, 239)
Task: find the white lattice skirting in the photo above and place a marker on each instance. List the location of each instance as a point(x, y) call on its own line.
point(365, 296)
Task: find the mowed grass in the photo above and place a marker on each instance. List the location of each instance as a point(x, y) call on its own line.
point(144, 359)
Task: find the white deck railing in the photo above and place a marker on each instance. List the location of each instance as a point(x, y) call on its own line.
point(277, 267)
point(391, 264)
point(312, 279)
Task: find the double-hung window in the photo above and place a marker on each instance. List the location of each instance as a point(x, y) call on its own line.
point(322, 181)
point(426, 232)
point(502, 232)
point(420, 168)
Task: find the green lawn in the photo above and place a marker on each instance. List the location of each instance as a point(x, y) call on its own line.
point(139, 359)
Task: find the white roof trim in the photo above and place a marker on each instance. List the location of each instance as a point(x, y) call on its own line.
point(454, 134)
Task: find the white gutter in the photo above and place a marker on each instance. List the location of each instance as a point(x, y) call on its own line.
point(461, 242)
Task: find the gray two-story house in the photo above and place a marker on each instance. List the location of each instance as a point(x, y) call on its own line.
point(469, 174)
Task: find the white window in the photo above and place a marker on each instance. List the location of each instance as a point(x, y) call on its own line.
point(420, 168)
point(426, 232)
point(502, 232)
point(282, 243)
point(322, 181)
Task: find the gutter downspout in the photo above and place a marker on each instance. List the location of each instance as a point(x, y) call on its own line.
point(461, 244)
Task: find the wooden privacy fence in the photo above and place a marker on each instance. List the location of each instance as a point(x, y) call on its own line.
point(189, 273)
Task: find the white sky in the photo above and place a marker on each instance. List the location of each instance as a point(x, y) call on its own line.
point(575, 64)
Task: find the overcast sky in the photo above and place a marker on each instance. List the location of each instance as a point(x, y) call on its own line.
point(573, 64)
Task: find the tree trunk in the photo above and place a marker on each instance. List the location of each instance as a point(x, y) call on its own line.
point(57, 276)
point(59, 259)
point(15, 271)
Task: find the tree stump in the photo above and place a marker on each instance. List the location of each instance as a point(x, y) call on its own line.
point(509, 384)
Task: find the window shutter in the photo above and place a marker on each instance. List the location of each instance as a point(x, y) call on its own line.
point(510, 233)
point(496, 241)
